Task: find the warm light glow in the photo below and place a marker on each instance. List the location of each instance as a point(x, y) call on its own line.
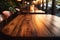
point(27, 2)
point(33, 1)
point(38, 18)
point(38, 21)
point(18, 0)
point(38, 2)
point(34, 9)
point(39, 11)
point(44, 1)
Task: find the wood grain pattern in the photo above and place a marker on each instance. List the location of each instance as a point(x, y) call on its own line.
point(41, 25)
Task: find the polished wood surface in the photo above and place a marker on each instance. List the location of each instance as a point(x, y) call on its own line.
point(30, 25)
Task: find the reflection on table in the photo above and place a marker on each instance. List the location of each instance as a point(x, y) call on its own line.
point(30, 25)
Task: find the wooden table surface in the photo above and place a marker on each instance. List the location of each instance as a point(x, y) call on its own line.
point(30, 25)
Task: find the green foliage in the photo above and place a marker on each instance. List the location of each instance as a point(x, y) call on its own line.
point(58, 2)
point(5, 4)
